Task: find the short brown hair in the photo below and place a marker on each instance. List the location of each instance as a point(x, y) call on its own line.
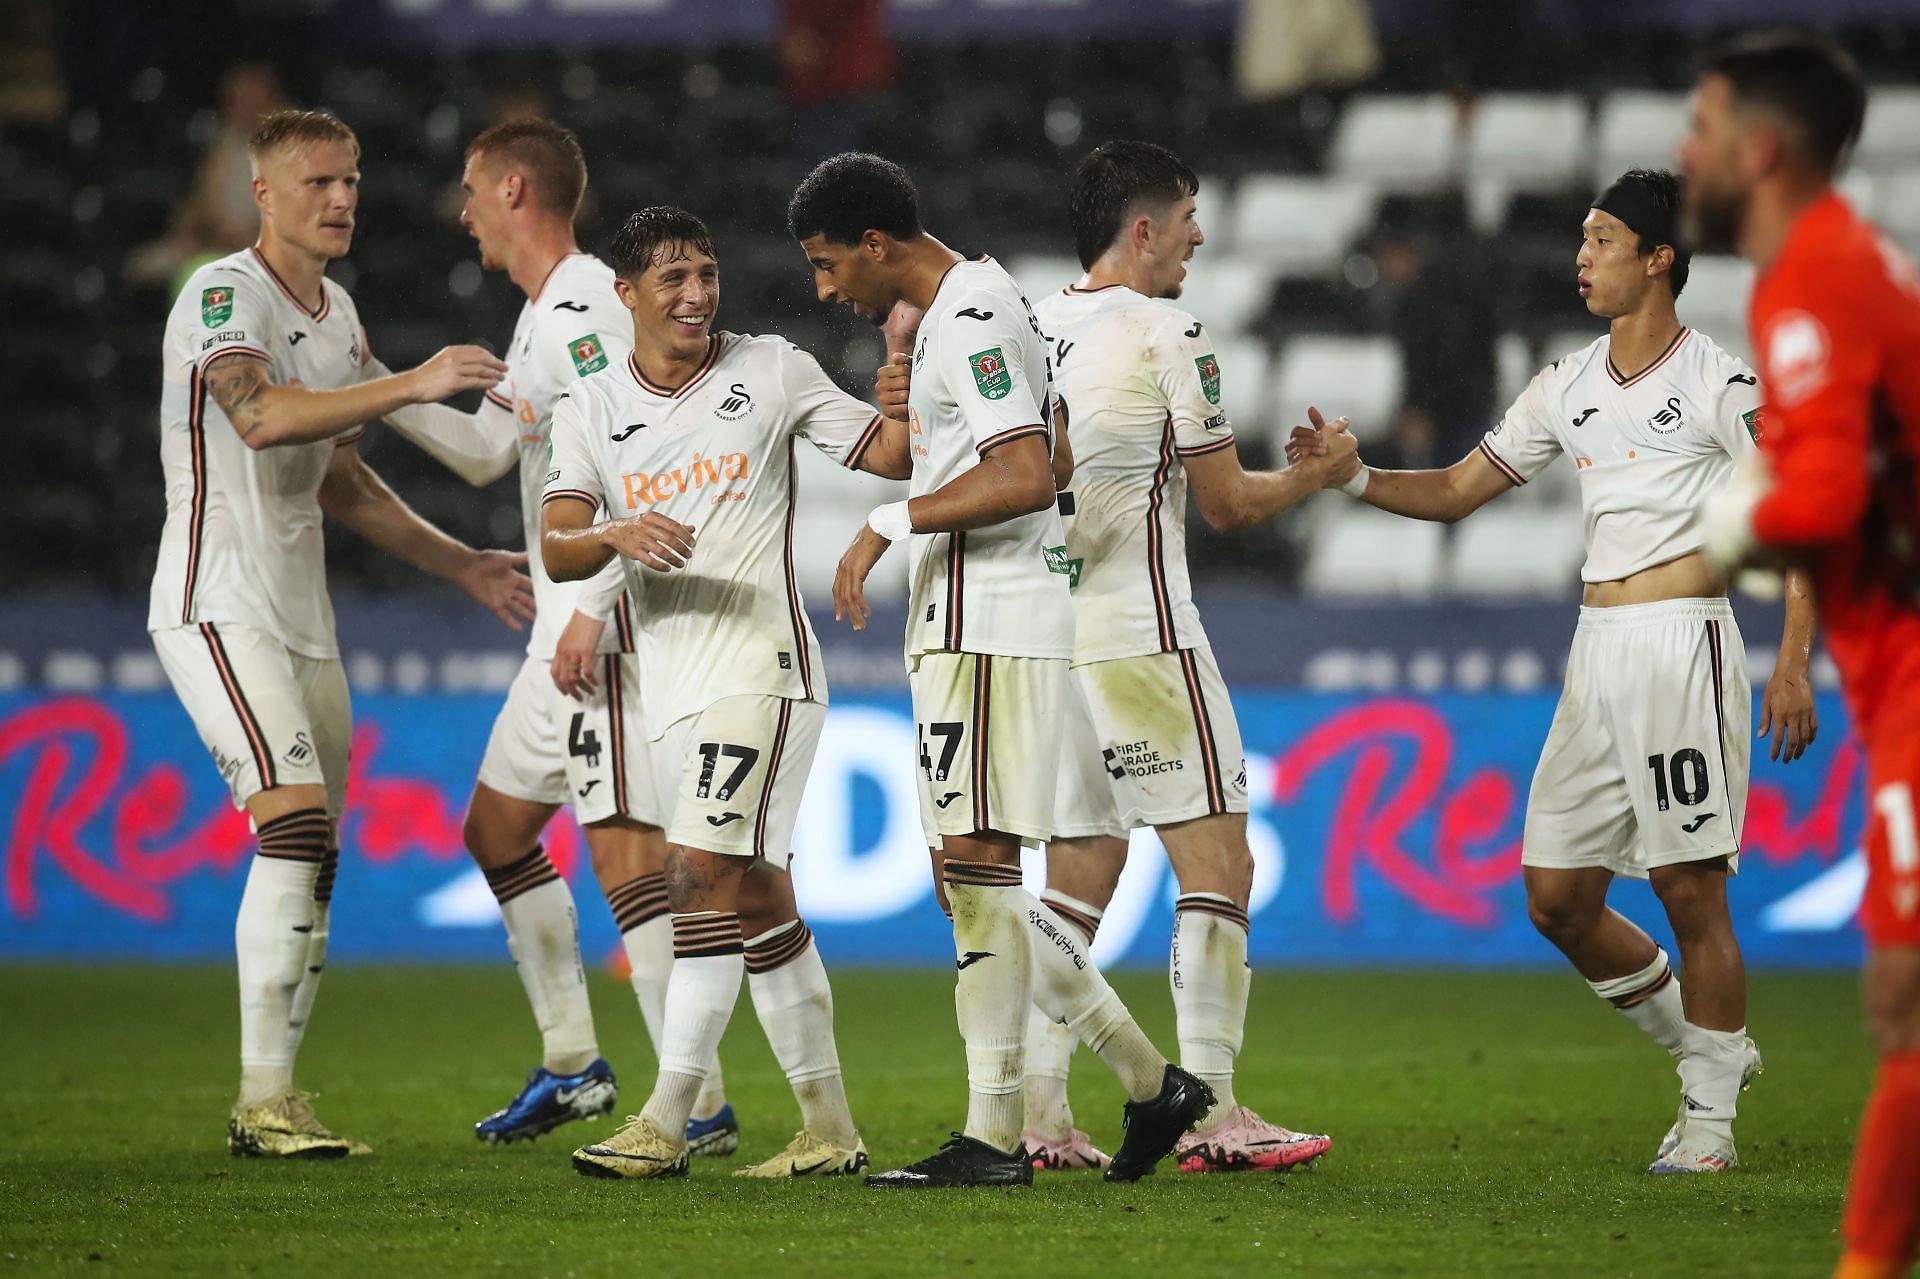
point(283, 129)
point(548, 155)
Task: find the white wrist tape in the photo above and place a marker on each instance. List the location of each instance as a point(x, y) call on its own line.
point(1358, 484)
point(891, 521)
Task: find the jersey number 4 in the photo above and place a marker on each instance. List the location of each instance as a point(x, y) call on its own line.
point(587, 743)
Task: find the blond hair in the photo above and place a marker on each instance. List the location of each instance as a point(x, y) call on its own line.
point(290, 129)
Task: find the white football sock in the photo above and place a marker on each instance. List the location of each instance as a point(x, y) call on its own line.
point(543, 935)
point(309, 988)
point(1210, 978)
point(991, 994)
point(794, 1002)
point(1068, 988)
point(707, 964)
point(646, 932)
point(1050, 1044)
point(1710, 1070)
point(270, 937)
point(1650, 999)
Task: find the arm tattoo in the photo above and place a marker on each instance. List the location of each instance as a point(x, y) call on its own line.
point(238, 384)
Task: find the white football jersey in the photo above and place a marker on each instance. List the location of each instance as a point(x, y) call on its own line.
point(716, 455)
point(981, 379)
point(1138, 387)
point(1649, 448)
point(574, 325)
point(242, 542)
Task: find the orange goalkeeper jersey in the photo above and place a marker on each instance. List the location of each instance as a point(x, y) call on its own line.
point(1836, 330)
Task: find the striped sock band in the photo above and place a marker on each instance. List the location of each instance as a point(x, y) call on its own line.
point(323, 886)
point(1072, 910)
point(981, 874)
point(299, 836)
point(778, 946)
point(640, 900)
point(1636, 988)
point(706, 933)
point(521, 875)
point(1212, 904)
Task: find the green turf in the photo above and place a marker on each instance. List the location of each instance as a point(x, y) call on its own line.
point(1483, 1125)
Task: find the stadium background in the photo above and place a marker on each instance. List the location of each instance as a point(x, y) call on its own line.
point(1391, 193)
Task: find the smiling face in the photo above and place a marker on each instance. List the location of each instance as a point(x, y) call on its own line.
point(854, 275)
point(673, 301)
point(307, 195)
point(1613, 275)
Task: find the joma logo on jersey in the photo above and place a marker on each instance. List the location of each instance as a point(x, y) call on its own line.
point(644, 489)
point(216, 305)
point(1667, 420)
point(737, 404)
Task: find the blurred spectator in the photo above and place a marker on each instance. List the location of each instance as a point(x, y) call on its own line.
point(1287, 47)
point(218, 216)
point(30, 84)
point(836, 59)
point(1436, 296)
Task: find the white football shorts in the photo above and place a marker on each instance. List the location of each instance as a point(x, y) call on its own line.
point(986, 728)
point(736, 773)
point(548, 748)
point(269, 717)
point(1148, 741)
point(1646, 762)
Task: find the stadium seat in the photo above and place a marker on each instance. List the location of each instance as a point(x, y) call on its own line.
point(1400, 143)
point(1530, 141)
point(1359, 377)
point(1225, 293)
point(1890, 138)
point(1361, 551)
point(1896, 207)
point(834, 501)
point(1299, 224)
point(1715, 298)
point(1517, 550)
point(1039, 275)
point(1245, 387)
point(1636, 129)
point(1514, 367)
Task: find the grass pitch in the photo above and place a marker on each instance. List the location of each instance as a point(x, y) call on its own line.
point(1483, 1125)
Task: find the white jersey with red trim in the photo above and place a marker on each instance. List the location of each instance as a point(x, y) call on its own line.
point(1137, 385)
point(573, 325)
point(1649, 448)
point(716, 454)
point(242, 541)
point(981, 379)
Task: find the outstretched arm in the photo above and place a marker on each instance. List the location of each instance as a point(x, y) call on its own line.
point(1787, 709)
point(361, 500)
point(266, 414)
point(1231, 498)
point(479, 447)
point(1442, 495)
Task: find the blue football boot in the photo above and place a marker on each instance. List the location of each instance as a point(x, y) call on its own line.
point(550, 1100)
point(718, 1135)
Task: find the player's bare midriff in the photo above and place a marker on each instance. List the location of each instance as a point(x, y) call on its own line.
point(1689, 577)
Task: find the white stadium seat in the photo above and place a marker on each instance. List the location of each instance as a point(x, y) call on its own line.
point(1896, 208)
point(1213, 208)
point(1245, 389)
point(1530, 141)
point(1514, 367)
point(1041, 274)
point(1400, 143)
point(1300, 225)
point(1715, 299)
point(1636, 130)
point(1517, 550)
point(1360, 551)
point(1890, 138)
point(1225, 293)
point(1358, 377)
